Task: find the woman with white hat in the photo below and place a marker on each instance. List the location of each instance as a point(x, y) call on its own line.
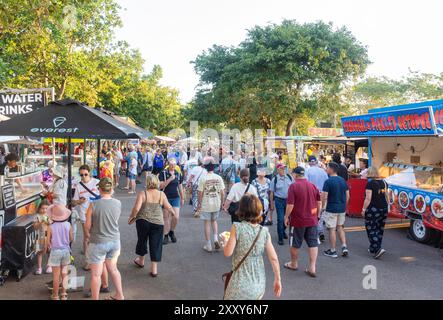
point(59, 188)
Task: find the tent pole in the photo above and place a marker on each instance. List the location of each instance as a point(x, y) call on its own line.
point(69, 174)
point(98, 157)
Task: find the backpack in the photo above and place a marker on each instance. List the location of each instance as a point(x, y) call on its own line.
point(275, 180)
point(227, 173)
point(158, 161)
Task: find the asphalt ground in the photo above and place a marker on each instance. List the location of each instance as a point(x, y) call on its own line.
point(409, 270)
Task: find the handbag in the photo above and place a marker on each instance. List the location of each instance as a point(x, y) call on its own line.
point(226, 277)
point(233, 206)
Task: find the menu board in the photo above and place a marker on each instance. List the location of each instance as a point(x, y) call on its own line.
point(8, 196)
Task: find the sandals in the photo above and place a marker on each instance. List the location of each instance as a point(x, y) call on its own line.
point(311, 274)
point(138, 264)
point(153, 275)
point(64, 296)
point(287, 265)
point(111, 298)
point(55, 297)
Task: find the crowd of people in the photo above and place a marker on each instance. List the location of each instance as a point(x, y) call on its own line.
point(306, 200)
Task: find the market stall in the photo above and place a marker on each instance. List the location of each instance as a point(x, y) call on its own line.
point(405, 143)
point(68, 119)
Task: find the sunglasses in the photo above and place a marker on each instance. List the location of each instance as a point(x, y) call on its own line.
point(84, 174)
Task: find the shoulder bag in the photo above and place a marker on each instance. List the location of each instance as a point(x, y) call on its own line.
point(226, 277)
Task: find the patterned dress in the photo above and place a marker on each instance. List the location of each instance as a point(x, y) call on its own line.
point(249, 281)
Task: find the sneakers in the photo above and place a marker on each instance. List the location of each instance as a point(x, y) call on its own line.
point(330, 253)
point(38, 272)
point(166, 239)
point(207, 248)
point(344, 251)
point(172, 236)
point(379, 253)
point(48, 270)
point(268, 223)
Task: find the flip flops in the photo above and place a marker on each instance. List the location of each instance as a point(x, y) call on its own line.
point(138, 264)
point(287, 265)
point(311, 274)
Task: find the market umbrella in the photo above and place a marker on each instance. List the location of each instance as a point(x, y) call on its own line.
point(69, 119)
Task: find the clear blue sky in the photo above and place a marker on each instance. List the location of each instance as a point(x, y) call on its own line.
point(400, 35)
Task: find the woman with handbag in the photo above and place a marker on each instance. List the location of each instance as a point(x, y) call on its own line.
point(375, 211)
point(148, 216)
point(247, 243)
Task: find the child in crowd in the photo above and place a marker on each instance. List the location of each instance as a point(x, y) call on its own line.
point(41, 226)
point(60, 235)
point(132, 174)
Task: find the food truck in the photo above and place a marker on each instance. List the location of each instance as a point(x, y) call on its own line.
point(406, 144)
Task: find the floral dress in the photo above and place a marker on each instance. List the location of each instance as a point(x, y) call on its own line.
point(249, 281)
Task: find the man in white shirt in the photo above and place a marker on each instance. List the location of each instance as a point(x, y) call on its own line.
point(193, 178)
point(210, 198)
point(237, 191)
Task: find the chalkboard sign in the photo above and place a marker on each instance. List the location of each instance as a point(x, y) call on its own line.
point(8, 196)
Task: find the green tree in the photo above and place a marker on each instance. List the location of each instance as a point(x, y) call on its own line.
point(276, 72)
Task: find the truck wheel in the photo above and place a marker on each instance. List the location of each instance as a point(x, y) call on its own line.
point(420, 232)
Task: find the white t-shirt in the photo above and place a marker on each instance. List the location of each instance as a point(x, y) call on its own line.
point(60, 190)
point(197, 173)
point(238, 191)
point(211, 185)
point(81, 192)
point(133, 167)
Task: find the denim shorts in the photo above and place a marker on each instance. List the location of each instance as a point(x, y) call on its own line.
point(99, 252)
point(209, 216)
point(175, 202)
point(132, 176)
point(59, 257)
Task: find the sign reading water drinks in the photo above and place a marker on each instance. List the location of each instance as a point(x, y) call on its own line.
point(410, 122)
point(13, 104)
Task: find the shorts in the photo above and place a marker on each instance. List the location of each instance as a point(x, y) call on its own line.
point(132, 176)
point(297, 234)
point(212, 216)
point(332, 220)
point(99, 252)
point(175, 202)
point(59, 257)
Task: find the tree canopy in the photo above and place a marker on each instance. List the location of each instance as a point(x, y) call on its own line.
point(276, 75)
point(70, 45)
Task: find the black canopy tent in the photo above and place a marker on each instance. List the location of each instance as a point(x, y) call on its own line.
point(70, 119)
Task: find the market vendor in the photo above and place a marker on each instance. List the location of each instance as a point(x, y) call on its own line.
point(363, 169)
point(11, 162)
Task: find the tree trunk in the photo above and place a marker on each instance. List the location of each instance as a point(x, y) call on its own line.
point(289, 126)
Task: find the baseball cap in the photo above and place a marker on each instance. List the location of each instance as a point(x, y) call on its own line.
point(299, 170)
point(312, 159)
point(281, 165)
point(105, 184)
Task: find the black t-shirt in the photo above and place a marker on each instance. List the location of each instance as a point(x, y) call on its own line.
point(378, 199)
point(343, 172)
point(171, 190)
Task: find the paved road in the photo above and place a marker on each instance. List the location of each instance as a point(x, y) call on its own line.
point(408, 271)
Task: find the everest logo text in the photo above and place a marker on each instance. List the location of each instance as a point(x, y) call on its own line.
point(57, 122)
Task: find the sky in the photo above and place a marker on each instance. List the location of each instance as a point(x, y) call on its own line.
point(400, 35)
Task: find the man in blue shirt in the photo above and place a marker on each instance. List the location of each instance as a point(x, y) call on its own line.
point(278, 197)
point(335, 197)
point(317, 176)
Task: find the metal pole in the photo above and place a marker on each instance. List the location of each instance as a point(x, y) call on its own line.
point(69, 174)
point(53, 139)
point(98, 157)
